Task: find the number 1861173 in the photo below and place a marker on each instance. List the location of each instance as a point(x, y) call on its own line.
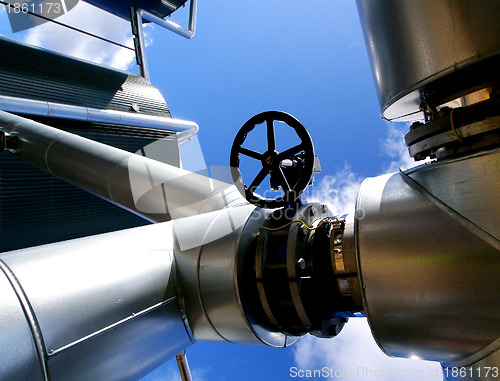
point(486, 372)
point(45, 8)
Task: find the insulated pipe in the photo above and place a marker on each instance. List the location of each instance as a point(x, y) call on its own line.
point(117, 305)
point(428, 249)
point(146, 187)
point(95, 308)
point(429, 50)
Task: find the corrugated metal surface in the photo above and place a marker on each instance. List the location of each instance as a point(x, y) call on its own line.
point(36, 208)
point(34, 73)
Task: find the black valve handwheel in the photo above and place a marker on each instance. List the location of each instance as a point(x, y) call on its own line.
point(271, 159)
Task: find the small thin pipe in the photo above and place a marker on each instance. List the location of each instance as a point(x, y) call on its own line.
point(140, 45)
point(172, 26)
point(86, 114)
point(183, 365)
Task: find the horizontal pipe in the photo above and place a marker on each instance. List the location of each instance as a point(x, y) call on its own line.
point(148, 188)
point(186, 136)
point(183, 365)
point(86, 114)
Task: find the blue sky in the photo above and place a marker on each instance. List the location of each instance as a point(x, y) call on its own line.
point(308, 59)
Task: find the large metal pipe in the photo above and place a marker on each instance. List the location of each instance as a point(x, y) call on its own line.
point(117, 305)
point(429, 51)
point(146, 187)
point(102, 307)
point(428, 251)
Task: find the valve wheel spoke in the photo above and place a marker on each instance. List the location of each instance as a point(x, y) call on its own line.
point(290, 152)
point(271, 139)
point(251, 153)
point(258, 179)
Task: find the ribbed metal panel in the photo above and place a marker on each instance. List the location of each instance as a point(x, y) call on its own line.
point(36, 208)
point(34, 73)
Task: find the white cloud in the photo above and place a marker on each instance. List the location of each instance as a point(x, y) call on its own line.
point(354, 355)
point(167, 372)
point(72, 43)
point(338, 191)
point(394, 146)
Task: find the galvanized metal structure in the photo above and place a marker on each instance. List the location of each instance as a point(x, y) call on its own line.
point(428, 250)
point(110, 106)
point(419, 256)
point(428, 240)
point(429, 51)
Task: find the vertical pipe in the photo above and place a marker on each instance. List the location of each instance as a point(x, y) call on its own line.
point(183, 365)
point(140, 46)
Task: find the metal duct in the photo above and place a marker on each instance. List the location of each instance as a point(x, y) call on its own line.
point(429, 50)
point(101, 307)
point(428, 251)
point(153, 190)
point(117, 305)
point(121, 8)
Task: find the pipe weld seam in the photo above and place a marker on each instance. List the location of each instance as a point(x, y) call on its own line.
point(31, 319)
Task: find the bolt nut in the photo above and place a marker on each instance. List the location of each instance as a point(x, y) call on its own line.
point(302, 263)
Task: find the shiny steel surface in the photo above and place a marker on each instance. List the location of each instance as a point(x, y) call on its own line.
point(438, 141)
point(106, 305)
point(115, 306)
point(413, 43)
point(429, 278)
point(470, 185)
point(18, 359)
point(312, 214)
point(183, 366)
point(485, 369)
point(139, 43)
point(148, 188)
point(87, 114)
point(245, 270)
point(208, 252)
